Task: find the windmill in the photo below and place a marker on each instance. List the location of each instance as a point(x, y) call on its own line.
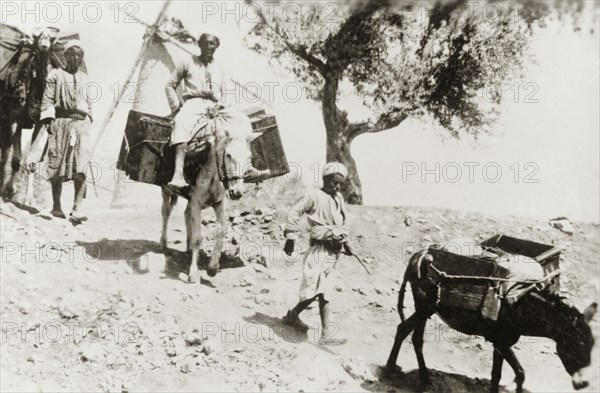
point(151, 30)
point(163, 30)
point(164, 43)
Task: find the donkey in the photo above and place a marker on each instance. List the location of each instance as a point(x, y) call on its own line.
point(21, 96)
point(226, 164)
point(539, 313)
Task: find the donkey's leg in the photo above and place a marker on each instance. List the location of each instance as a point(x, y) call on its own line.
point(8, 189)
point(4, 151)
point(510, 357)
point(194, 228)
point(417, 339)
point(496, 370)
point(223, 222)
point(168, 202)
point(402, 332)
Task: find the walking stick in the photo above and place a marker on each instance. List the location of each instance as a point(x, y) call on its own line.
point(93, 180)
point(362, 263)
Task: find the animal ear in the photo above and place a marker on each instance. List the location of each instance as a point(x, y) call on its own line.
point(590, 311)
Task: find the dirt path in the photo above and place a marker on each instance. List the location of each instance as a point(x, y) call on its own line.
point(78, 314)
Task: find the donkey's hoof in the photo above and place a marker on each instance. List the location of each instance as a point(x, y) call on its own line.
point(194, 278)
point(425, 379)
point(211, 272)
point(391, 369)
point(8, 193)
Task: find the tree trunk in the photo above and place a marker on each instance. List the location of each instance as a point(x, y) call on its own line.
point(338, 140)
point(339, 150)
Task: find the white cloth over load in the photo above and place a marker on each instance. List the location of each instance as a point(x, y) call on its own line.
point(192, 121)
point(521, 268)
point(463, 246)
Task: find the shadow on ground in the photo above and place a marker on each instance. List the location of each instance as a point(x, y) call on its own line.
point(278, 330)
point(130, 250)
point(409, 382)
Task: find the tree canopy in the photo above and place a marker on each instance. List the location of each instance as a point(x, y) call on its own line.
point(438, 59)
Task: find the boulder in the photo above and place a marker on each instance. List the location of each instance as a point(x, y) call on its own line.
point(563, 224)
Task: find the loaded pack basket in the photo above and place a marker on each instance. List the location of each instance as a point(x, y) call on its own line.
point(146, 156)
point(474, 283)
point(466, 282)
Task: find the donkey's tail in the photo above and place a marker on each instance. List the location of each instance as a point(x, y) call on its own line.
point(401, 293)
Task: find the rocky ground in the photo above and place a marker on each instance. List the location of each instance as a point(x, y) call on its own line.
point(80, 313)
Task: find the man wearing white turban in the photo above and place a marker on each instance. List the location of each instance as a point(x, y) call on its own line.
point(326, 213)
point(201, 112)
point(67, 111)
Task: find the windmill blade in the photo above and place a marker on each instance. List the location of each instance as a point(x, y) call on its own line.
point(135, 18)
point(113, 109)
point(162, 12)
point(137, 62)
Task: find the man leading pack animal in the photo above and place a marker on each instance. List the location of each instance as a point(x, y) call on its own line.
point(326, 216)
point(202, 108)
point(66, 109)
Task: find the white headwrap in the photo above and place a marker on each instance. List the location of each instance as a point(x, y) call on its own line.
point(73, 43)
point(334, 167)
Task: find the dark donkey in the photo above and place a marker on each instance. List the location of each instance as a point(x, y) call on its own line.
point(540, 314)
point(21, 89)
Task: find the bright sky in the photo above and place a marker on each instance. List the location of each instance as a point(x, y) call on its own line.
point(546, 144)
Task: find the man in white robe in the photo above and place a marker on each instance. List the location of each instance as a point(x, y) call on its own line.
point(202, 113)
point(326, 213)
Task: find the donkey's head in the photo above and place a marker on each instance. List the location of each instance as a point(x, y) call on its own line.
point(575, 346)
point(234, 162)
point(43, 40)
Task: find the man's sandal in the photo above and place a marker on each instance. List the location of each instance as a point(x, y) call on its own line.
point(332, 341)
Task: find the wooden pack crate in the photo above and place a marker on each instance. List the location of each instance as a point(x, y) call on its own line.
point(476, 295)
point(267, 149)
point(145, 154)
point(548, 256)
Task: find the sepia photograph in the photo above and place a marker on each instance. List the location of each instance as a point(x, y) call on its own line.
point(387, 196)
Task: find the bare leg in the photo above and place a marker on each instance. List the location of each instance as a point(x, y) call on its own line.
point(29, 200)
point(57, 185)
point(80, 187)
point(329, 329)
point(178, 179)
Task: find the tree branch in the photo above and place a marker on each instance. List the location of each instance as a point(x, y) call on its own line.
point(385, 122)
point(297, 49)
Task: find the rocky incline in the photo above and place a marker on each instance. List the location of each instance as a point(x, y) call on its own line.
point(89, 308)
